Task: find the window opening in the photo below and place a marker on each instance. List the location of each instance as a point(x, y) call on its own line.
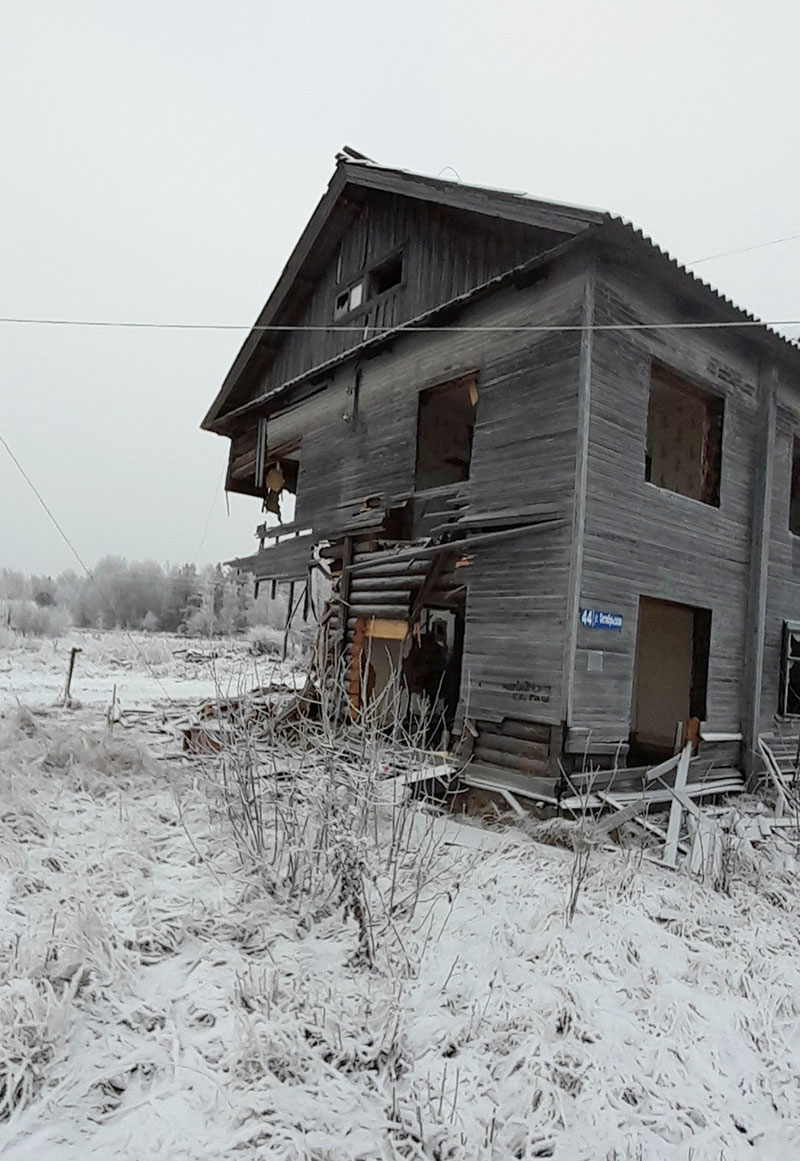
point(794, 498)
point(280, 483)
point(386, 275)
point(445, 426)
point(383, 277)
point(349, 299)
point(684, 438)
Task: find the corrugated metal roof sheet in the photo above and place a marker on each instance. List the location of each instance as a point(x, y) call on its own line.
point(638, 233)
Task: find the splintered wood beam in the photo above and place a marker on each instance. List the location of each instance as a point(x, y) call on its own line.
point(344, 583)
point(435, 570)
point(415, 554)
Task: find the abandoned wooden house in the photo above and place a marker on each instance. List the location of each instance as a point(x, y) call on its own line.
point(553, 474)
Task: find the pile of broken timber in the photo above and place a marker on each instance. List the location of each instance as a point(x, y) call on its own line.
point(594, 790)
point(675, 782)
point(781, 757)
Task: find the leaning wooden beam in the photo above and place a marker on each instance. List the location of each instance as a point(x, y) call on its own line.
point(451, 545)
point(776, 777)
point(622, 815)
point(676, 810)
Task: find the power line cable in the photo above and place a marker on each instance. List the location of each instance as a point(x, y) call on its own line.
point(745, 250)
point(207, 524)
point(80, 560)
point(533, 328)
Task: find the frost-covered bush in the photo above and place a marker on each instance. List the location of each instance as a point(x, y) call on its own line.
point(32, 620)
point(32, 1020)
point(264, 641)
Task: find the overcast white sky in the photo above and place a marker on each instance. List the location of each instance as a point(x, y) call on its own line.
point(159, 159)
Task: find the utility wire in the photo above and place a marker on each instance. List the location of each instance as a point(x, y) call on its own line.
point(745, 250)
point(401, 328)
point(79, 559)
point(206, 526)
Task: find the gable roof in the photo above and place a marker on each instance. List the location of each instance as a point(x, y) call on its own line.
point(576, 223)
point(332, 214)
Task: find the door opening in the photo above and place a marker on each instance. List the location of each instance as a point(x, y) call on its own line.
point(432, 672)
point(670, 677)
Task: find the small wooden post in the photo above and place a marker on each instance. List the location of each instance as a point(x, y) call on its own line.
point(73, 653)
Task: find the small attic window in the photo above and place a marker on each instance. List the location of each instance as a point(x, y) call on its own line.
point(386, 276)
point(349, 299)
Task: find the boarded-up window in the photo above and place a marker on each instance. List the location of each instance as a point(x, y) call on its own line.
point(794, 499)
point(684, 438)
point(444, 433)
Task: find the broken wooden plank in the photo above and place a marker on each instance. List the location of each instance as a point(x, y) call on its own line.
point(676, 809)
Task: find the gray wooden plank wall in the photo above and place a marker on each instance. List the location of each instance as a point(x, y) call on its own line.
point(523, 454)
point(445, 254)
point(642, 540)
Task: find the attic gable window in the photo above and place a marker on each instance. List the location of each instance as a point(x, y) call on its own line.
point(385, 276)
point(350, 299)
point(684, 438)
point(380, 279)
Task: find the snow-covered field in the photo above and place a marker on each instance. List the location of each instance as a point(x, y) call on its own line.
point(146, 669)
point(161, 998)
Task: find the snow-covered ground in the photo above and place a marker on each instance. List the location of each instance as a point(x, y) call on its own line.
point(161, 999)
point(145, 668)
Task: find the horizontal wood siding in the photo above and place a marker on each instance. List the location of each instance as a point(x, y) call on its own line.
point(643, 540)
point(523, 454)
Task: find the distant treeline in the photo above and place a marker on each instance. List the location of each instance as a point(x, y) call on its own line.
point(136, 595)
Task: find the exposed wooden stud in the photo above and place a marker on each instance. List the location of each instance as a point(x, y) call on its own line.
point(579, 499)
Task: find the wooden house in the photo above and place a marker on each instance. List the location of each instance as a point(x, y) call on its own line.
point(542, 459)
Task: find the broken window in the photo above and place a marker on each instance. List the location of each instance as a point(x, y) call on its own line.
point(684, 438)
point(794, 498)
point(789, 699)
point(381, 278)
point(445, 424)
point(349, 299)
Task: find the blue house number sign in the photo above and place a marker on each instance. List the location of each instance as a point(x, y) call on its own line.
point(599, 619)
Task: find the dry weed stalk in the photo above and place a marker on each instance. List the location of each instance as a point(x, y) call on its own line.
point(320, 813)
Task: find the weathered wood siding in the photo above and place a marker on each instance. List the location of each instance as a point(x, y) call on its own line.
point(445, 254)
point(523, 454)
point(641, 540)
